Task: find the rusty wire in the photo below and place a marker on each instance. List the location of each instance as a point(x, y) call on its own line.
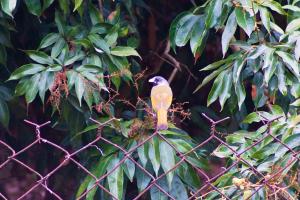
point(200, 193)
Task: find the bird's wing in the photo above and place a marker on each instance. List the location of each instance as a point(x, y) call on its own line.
point(161, 97)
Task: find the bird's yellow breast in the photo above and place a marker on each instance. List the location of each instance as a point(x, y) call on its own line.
point(161, 97)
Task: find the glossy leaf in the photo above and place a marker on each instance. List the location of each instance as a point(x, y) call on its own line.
point(185, 28)
point(77, 4)
point(157, 194)
point(154, 154)
point(216, 88)
point(228, 32)
point(57, 48)
point(174, 28)
point(198, 34)
point(8, 6)
point(240, 93)
point(34, 7)
point(167, 160)
point(25, 70)
point(48, 40)
point(115, 179)
point(225, 88)
point(291, 141)
point(79, 87)
point(275, 6)
point(39, 57)
point(265, 18)
point(293, 25)
point(33, 88)
point(214, 11)
point(289, 61)
point(124, 51)
point(244, 20)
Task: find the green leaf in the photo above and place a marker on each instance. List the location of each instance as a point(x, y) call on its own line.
point(216, 89)
point(297, 50)
point(273, 5)
point(157, 194)
point(33, 88)
point(270, 69)
point(292, 8)
point(129, 169)
point(244, 20)
point(99, 42)
point(210, 77)
point(77, 4)
point(223, 151)
point(124, 51)
point(115, 179)
point(22, 86)
point(269, 56)
point(293, 25)
point(47, 3)
point(258, 51)
point(98, 170)
point(46, 81)
point(39, 57)
point(225, 89)
point(296, 103)
point(237, 68)
point(281, 78)
point(289, 61)
point(79, 87)
point(185, 29)
point(34, 7)
point(154, 155)
point(291, 141)
point(265, 18)
point(178, 190)
point(181, 145)
point(174, 28)
point(72, 77)
point(240, 93)
point(25, 70)
point(295, 90)
point(48, 40)
point(142, 179)
point(57, 48)
point(8, 6)
point(220, 62)
point(276, 28)
point(228, 32)
point(252, 117)
point(4, 113)
point(213, 13)
point(143, 153)
point(73, 59)
point(198, 35)
point(111, 37)
point(167, 160)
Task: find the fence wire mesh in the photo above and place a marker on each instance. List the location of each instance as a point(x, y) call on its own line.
point(207, 185)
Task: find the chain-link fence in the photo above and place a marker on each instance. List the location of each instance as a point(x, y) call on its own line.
point(207, 186)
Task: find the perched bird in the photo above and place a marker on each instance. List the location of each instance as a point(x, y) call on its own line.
point(161, 99)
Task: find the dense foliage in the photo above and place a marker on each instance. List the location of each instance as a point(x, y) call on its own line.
point(70, 60)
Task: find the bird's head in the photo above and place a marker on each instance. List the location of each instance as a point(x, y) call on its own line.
point(158, 80)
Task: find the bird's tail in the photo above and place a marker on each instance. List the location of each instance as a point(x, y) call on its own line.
point(162, 119)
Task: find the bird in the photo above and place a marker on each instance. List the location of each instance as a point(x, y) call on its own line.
point(161, 99)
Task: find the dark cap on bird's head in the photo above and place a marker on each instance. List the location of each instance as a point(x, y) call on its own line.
point(158, 80)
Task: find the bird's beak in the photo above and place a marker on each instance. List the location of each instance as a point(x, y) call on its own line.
point(151, 80)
